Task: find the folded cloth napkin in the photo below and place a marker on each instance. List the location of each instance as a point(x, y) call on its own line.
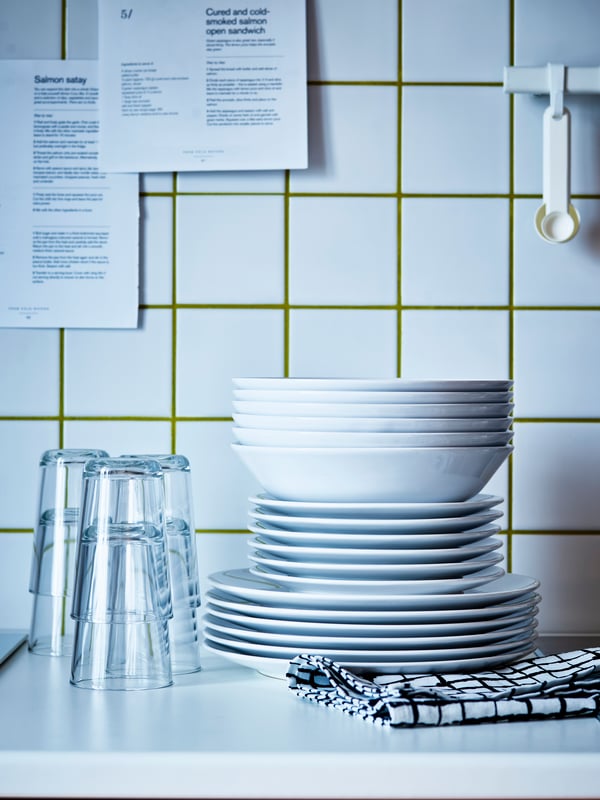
point(552, 686)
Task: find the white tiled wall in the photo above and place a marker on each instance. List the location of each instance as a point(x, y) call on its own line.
point(407, 248)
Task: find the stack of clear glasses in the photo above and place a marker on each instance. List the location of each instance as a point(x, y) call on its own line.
point(54, 547)
point(122, 597)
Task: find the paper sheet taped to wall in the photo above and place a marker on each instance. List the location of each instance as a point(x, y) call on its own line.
point(68, 232)
point(197, 85)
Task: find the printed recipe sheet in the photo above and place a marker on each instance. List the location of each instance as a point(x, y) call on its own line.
point(68, 232)
point(196, 85)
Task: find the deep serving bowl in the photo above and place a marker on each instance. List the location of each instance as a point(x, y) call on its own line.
point(372, 424)
point(275, 438)
point(377, 384)
point(404, 410)
point(344, 396)
point(370, 474)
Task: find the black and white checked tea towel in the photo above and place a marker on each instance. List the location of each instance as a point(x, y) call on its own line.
point(552, 686)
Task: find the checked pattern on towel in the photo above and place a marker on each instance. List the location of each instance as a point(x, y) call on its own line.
point(552, 686)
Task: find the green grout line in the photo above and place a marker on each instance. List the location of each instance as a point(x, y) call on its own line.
point(286, 276)
point(174, 317)
point(16, 530)
point(200, 531)
point(388, 307)
point(399, 318)
point(511, 283)
point(61, 387)
point(63, 31)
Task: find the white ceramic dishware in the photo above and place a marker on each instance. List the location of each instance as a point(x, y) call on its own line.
point(379, 587)
point(372, 424)
point(339, 525)
point(343, 396)
point(513, 594)
point(276, 438)
point(404, 410)
point(242, 583)
point(376, 384)
point(299, 508)
point(385, 474)
point(399, 541)
point(373, 555)
point(372, 572)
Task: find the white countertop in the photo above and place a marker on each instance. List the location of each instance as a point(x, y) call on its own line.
point(228, 732)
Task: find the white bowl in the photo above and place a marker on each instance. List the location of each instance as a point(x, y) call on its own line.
point(405, 410)
point(344, 396)
point(370, 474)
point(377, 384)
point(372, 425)
point(275, 438)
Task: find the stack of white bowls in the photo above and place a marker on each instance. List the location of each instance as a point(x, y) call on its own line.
point(372, 542)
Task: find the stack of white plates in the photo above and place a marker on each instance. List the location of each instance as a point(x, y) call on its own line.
point(377, 552)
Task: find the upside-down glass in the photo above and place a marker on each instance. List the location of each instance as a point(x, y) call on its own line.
point(122, 600)
point(54, 548)
point(183, 563)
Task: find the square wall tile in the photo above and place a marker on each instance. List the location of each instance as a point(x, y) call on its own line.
point(556, 475)
point(82, 29)
point(29, 372)
point(352, 259)
point(455, 140)
point(156, 250)
point(455, 344)
point(550, 349)
point(157, 182)
point(559, 31)
point(585, 152)
point(343, 343)
point(230, 249)
point(119, 438)
point(221, 483)
point(464, 261)
point(214, 345)
point(567, 568)
point(455, 40)
point(557, 275)
point(31, 29)
point(19, 474)
point(220, 551)
point(352, 140)
point(252, 181)
point(372, 29)
point(16, 550)
point(120, 372)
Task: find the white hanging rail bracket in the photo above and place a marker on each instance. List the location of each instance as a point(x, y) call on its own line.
point(537, 80)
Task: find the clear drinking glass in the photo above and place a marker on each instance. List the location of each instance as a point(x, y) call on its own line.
point(54, 548)
point(122, 599)
point(184, 626)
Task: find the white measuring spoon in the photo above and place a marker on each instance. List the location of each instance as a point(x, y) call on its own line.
point(556, 219)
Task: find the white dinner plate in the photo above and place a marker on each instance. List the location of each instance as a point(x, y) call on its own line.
point(277, 667)
point(366, 655)
point(300, 508)
point(376, 384)
point(512, 634)
point(373, 425)
point(345, 396)
point(410, 410)
point(372, 573)
point(242, 583)
point(381, 588)
point(374, 555)
point(405, 541)
point(236, 612)
point(485, 615)
point(364, 525)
